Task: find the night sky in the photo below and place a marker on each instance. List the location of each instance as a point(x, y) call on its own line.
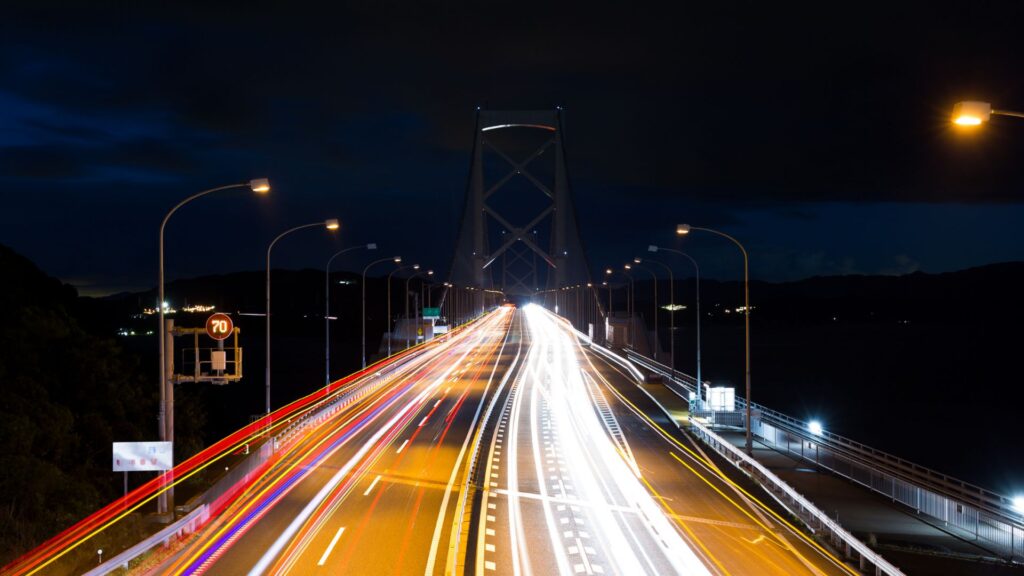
point(816, 133)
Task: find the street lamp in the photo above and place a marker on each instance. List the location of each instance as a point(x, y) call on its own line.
point(411, 276)
point(683, 230)
point(629, 297)
point(973, 113)
point(166, 419)
point(414, 267)
point(396, 260)
point(696, 269)
point(331, 225)
point(654, 279)
point(327, 307)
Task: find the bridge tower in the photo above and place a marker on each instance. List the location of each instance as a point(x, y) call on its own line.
point(518, 232)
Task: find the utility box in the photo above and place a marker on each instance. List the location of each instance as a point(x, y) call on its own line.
point(219, 360)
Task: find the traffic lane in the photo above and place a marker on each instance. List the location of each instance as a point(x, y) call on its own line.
point(404, 489)
point(728, 529)
point(506, 516)
point(246, 551)
point(569, 504)
point(238, 558)
point(399, 511)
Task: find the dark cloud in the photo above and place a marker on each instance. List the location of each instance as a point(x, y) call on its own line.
point(729, 115)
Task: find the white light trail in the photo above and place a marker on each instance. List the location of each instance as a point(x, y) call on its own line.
point(628, 531)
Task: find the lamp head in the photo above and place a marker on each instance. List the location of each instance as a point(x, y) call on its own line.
point(397, 259)
point(415, 266)
point(637, 260)
point(627, 266)
point(332, 224)
point(608, 271)
point(371, 246)
point(682, 229)
point(259, 185)
point(652, 248)
point(430, 272)
point(971, 113)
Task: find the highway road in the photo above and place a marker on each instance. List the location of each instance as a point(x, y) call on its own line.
point(581, 474)
point(585, 475)
point(367, 493)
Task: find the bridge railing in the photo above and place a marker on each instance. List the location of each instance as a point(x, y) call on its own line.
point(119, 528)
point(814, 518)
point(979, 514)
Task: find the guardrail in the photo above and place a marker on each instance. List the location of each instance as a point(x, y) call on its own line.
point(184, 525)
point(816, 520)
point(986, 516)
point(207, 504)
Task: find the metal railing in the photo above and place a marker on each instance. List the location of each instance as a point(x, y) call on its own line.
point(208, 503)
point(816, 520)
point(985, 516)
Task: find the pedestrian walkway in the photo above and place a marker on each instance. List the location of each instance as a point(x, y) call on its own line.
point(915, 543)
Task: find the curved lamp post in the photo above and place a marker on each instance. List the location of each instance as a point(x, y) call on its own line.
point(629, 297)
point(683, 230)
point(411, 276)
point(696, 268)
point(166, 417)
point(414, 267)
point(396, 260)
point(973, 113)
point(327, 307)
point(654, 279)
point(332, 225)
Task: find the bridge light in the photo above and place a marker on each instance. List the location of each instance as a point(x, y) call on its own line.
point(332, 224)
point(682, 229)
point(815, 428)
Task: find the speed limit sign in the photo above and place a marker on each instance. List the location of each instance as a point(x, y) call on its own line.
point(219, 326)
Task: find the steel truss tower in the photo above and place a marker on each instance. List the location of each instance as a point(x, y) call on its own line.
point(496, 250)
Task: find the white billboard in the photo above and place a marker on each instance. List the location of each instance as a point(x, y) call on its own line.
point(143, 456)
point(721, 399)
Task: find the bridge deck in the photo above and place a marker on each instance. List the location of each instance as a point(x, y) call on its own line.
point(910, 541)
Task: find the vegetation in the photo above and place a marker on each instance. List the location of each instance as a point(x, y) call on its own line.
point(67, 394)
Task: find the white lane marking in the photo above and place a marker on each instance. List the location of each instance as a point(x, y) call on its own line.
point(264, 562)
point(372, 484)
point(402, 447)
point(330, 547)
point(452, 542)
point(422, 422)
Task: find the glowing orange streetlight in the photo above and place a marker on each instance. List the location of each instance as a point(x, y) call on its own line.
point(974, 113)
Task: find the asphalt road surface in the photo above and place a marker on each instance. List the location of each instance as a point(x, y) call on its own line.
point(582, 474)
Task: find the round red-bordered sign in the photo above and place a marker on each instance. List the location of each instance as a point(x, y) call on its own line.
point(219, 326)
